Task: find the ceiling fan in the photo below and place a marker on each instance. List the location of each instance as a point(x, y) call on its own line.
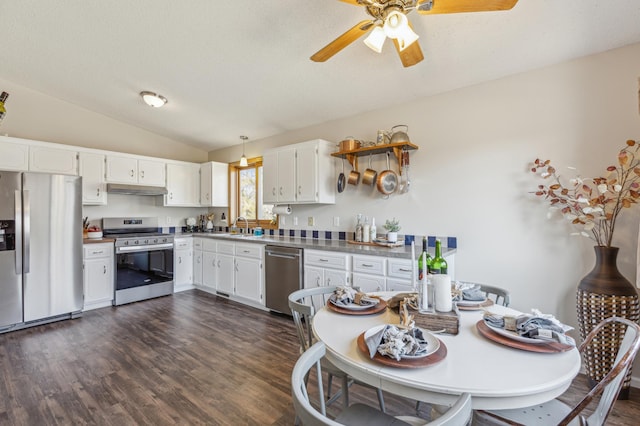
point(390, 20)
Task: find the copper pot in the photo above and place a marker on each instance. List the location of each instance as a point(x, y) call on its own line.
point(387, 180)
point(354, 177)
point(349, 144)
point(369, 176)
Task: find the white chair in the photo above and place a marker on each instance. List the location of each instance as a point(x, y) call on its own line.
point(556, 412)
point(357, 414)
point(304, 304)
point(499, 295)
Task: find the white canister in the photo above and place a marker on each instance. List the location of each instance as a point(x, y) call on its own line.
point(442, 287)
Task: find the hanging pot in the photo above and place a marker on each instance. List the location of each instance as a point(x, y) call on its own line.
point(370, 175)
point(387, 180)
point(354, 177)
point(399, 136)
point(342, 180)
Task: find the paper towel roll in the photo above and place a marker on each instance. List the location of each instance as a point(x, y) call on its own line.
point(442, 284)
point(281, 210)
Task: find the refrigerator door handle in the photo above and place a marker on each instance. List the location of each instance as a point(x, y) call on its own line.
point(27, 230)
point(18, 229)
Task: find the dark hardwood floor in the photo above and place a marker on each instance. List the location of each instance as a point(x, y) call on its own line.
point(191, 358)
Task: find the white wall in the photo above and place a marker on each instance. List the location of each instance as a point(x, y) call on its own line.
point(470, 177)
point(34, 115)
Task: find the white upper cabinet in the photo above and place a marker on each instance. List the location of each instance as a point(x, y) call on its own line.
point(214, 178)
point(93, 184)
point(53, 160)
point(135, 171)
point(13, 156)
point(183, 184)
point(301, 173)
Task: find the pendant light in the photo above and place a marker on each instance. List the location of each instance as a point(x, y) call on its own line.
point(153, 99)
point(243, 159)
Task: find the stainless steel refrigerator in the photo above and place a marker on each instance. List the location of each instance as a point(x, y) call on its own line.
point(40, 247)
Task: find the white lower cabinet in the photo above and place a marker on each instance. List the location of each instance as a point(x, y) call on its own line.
point(225, 268)
point(399, 274)
point(325, 268)
point(249, 272)
point(182, 264)
point(369, 273)
point(197, 261)
point(98, 275)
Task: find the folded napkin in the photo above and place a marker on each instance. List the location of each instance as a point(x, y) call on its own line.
point(395, 342)
point(345, 296)
point(533, 326)
point(468, 291)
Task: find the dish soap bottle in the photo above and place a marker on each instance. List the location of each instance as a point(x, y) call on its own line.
point(358, 236)
point(366, 230)
point(373, 232)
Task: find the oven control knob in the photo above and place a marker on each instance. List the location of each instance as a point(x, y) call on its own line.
point(146, 241)
point(126, 243)
point(136, 242)
point(155, 241)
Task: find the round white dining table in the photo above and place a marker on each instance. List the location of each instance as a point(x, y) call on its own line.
point(496, 376)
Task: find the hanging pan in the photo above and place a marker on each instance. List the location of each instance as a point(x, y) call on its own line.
point(342, 180)
point(370, 175)
point(387, 180)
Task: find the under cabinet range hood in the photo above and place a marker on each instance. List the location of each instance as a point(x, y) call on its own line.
point(118, 188)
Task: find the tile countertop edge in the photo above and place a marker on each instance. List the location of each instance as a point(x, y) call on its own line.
point(403, 252)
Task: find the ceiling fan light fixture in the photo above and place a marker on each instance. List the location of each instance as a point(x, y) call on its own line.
point(407, 39)
point(395, 24)
point(153, 99)
point(243, 159)
point(376, 39)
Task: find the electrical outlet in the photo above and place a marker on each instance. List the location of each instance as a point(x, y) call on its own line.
point(169, 220)
point(283, 220)
point(336, 221)
point(311, 221)
point(295, 221)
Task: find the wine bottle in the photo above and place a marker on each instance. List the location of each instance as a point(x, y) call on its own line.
point(423, 258)
point(438, 264)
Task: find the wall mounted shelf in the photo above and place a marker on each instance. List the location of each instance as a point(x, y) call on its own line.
point(396, 148)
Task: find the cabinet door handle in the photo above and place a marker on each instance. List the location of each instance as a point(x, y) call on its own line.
point(323, 260)
point(98, 193)
point(299, 189)
point(404, 270)
point(329, 282)
point(142, 174)
point(280, 190)
point(179, 259)
point(367, 265)
point(98, 252)
point(218, 263)
point(131, 173)
point(104, 269)
point(273, 191)
point(246, 251)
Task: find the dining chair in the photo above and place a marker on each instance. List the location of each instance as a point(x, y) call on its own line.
point(358, 414)
point(499, 295)
point(556, 412)
point(304, 304)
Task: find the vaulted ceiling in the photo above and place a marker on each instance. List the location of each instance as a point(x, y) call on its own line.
point(230, 68)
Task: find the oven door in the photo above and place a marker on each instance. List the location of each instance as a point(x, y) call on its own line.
point(143, 265)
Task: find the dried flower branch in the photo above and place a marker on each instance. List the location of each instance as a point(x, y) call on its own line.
point(593, 204)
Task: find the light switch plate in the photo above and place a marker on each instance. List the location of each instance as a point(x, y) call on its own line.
point(311, 221)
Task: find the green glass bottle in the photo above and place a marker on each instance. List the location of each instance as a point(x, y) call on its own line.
point(424, 255)
point(438, 264)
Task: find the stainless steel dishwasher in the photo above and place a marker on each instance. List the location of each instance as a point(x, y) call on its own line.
point(283, 270)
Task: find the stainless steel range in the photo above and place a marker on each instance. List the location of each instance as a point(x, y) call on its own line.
point(144, 258)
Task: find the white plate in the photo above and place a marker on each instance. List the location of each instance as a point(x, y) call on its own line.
point(351, 306)
point(433, 344)
point(515, 336)
point(470, 302)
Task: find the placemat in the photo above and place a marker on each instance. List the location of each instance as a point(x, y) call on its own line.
point(551, 347)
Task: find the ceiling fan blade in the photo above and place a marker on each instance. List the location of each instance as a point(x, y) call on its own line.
point(353, 2)
point(460, 6)
point(411, 55)
point(343, 41)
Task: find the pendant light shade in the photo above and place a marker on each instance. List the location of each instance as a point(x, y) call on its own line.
point(396, 26)
point(243, 159)
point(376, 39)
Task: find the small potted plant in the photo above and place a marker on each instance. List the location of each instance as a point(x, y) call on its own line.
point(392, 226)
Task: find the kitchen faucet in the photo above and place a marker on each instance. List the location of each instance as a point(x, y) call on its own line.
point(246, 224)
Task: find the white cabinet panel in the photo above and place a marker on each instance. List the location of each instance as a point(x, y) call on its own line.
point(249, 279)
point(13, 156)
point(183, 264)
point(98, 275)
point(130, 170)
point(91, 168)
point(183, 185)
point(209, 269)
point(214, 179)
point(225, 273)
point(151, 173)
point(368, 283)
point(53, 160)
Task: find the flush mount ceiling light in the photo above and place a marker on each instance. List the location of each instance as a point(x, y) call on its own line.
point(153, 99)
point(390, 20)
point(243, 159)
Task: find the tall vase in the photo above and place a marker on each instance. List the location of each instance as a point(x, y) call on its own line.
point(602, 293)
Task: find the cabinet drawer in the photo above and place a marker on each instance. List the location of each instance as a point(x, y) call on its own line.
point(399, 268)
point(369, 265)
point(225, 247)
point(92, 251)
point(185, 243)
point(209, 244)
point(197, 243)
point(326, 260)
point(249, 250)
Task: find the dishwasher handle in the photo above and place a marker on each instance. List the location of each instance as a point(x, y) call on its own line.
point(284, 256)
